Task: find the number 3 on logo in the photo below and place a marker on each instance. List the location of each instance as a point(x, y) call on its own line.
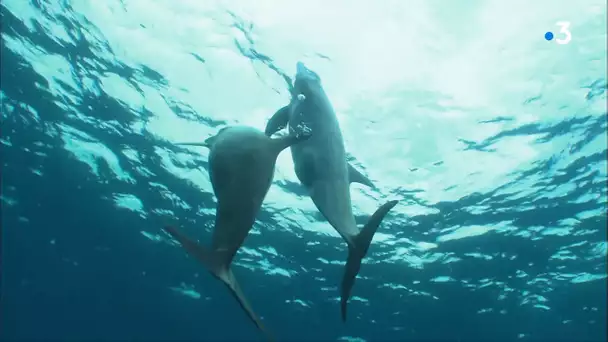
point(564, 25)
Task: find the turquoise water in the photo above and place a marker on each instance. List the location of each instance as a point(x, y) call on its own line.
point(492, 138)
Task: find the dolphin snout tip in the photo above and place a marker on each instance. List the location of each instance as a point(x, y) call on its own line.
point(300, 67)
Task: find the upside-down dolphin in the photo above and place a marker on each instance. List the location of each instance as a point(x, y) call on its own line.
point(320, 165)
point(241, 168)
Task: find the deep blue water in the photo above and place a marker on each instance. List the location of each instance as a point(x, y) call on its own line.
point(492, 138)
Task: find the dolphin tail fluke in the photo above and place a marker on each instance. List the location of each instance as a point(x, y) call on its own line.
point(216, 264)
point(197, 251)
point(357, 250)
point(227, 277)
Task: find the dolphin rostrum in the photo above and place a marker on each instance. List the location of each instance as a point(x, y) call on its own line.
point(321, 166)
point(241, 168)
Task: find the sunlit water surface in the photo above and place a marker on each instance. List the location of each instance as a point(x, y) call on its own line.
point(492, 138)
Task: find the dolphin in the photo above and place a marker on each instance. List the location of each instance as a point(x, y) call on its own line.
point(241, 168)
point(321, 166)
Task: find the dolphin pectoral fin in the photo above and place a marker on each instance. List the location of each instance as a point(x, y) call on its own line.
point(203, 144)
point(357, 250)
point(355, 176)
point(210, 141)
point(216, 264)
point(278, 121)
point(291, 139)
point(207, 143)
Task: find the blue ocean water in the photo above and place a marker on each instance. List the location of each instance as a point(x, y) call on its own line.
point(492, 138)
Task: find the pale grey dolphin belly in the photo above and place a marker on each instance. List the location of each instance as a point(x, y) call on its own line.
point(321, 166)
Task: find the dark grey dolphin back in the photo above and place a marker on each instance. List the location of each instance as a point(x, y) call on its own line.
point(241, 168)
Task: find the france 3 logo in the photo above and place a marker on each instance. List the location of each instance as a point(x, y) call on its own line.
point(564, 32)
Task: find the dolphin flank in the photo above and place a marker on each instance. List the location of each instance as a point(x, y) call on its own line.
point(321, 166)
point(241, 167)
